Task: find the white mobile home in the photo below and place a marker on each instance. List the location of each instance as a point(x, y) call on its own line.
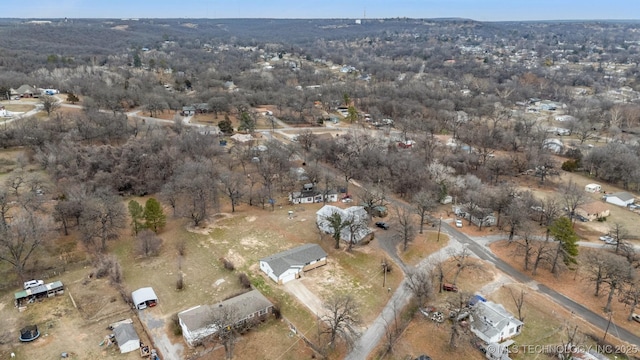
point(592, 188)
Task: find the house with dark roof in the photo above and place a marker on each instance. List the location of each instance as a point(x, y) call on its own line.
point(291, 264)
point(622, 198)
point(309, 195)
point(493, 324)
point(202, 321)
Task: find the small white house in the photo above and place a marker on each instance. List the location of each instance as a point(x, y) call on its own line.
point(493, 323)
point(290, 264)
point(620, 198)
point(592, 188)
point(127, 338)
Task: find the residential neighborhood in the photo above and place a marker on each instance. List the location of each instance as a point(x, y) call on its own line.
point(319, 188)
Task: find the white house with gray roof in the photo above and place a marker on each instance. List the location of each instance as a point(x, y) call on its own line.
point(620, 198)
point(201, 321)
point(290, 264)
point(493, 323)
point(354, 214)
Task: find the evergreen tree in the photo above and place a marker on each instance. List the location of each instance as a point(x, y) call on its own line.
point(153, 215)
point(136, 211)
point(562, 231)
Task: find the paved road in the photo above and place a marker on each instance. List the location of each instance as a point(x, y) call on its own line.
point(400, 298)
point(485, 254)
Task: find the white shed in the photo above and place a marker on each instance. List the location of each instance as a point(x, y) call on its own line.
point(127, 338)
point(144, 297)
point(592, 188)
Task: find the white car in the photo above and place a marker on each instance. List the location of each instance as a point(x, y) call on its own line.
point(458, 223)
point(32, 283)
point(606, 238)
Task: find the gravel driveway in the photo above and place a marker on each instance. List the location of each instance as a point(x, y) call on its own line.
point(157, 329)
point(309, 299)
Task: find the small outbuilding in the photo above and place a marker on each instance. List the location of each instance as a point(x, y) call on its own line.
point(620, 198)
point(126, 337)
point(592, 188)
point(144, 297)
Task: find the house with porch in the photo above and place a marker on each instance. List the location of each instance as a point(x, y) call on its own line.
point(291, 264)
point(309, 194)
point(202, 321)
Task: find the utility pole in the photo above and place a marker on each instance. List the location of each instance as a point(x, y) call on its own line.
point(439, 227)
point(607, 329)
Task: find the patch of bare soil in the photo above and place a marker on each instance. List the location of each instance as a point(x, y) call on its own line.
point(572, 284)
point(209, 224)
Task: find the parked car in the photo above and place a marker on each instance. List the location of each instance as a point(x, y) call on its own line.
point(611, 241)
point(636, 317)
point(16, 98)
point(606, 238)
point(458, 223)
point(449, 287)
point(382, 225)
point(32, 283)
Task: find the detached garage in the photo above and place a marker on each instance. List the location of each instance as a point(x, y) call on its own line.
point(127, 338)
point(144, 297)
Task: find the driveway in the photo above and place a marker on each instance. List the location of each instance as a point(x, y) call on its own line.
point(304, 296)
point(156, 326)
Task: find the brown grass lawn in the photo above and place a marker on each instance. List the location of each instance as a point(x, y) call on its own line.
point(574, 285)
point(65, 328)
point(424, 336)
point(243, 238)
point(423, 246)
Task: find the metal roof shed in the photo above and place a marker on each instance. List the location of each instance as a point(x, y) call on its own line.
point(144, 297)
point(127, 338)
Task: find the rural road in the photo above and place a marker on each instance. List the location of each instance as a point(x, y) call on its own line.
point(478, 246)
point(400, 298)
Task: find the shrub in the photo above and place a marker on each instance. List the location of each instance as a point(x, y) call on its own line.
point(175, 325)
point(276, 312)
point(244, 280)
point(227, 264)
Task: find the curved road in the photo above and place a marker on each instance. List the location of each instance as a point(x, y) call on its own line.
point(370, 339)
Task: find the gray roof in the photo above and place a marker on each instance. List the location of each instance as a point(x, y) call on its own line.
point(243, 305)
point(143, 294)
point(125, 333)
point(356, 214)
point(298, 256)
point(492, 318)
point(623, 195)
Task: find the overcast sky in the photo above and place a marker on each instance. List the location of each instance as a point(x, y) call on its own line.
point(484, 10)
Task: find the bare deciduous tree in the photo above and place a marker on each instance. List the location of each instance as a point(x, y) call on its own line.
point(518, 301)
point(341, 319)
point(423, 203)
point(406, 230)
point(419, 282)
point(20, 237)
point(148, 243)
